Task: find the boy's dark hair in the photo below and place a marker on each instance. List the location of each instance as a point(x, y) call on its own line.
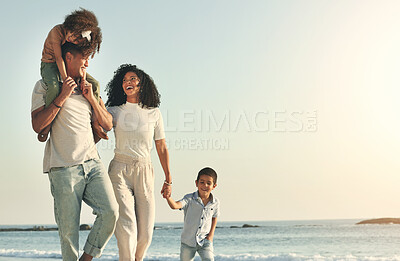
point(208, 172)
point(68, 47)
point(148, 94)
point(84, 20)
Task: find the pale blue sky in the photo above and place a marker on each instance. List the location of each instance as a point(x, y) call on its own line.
point(293, 102)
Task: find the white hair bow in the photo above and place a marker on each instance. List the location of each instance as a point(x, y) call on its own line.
point(86, 34)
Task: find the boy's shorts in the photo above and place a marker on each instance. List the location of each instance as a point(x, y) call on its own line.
point(206, 251)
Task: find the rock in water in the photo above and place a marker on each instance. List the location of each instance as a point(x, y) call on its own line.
point(380, 221)
point(248, 225)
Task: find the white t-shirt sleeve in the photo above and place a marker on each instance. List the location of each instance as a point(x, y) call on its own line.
point(159, 127)
point(38, 95)
point(113, 111)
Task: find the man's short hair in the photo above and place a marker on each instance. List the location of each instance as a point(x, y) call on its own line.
point(208, 172)
point(68, 47)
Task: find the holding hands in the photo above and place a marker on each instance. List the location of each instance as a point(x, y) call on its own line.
point(166, 190)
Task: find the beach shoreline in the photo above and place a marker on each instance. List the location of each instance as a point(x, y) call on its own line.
point(9, 258)
point(326, 240)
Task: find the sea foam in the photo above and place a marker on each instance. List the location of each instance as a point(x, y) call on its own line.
point(29, 253)
point(175, 257)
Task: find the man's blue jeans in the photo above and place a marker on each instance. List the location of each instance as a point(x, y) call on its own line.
point(205, 251)
point(70, 186)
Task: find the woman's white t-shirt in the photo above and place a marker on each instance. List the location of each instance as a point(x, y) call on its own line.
point(135, 128)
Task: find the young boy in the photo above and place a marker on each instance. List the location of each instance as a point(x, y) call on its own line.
point(201, 210)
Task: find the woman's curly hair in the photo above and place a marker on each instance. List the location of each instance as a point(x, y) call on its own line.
point(148, 93)
point(84, 20)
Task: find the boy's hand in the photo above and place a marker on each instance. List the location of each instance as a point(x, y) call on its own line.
point(208, 237)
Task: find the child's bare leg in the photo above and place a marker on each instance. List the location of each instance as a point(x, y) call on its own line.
point(42, 136)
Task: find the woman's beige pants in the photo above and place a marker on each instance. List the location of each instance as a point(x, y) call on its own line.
point(133, 183)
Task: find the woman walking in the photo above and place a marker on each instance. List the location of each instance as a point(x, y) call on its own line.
point(133, 101)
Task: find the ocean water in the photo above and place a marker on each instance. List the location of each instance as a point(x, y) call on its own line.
point(271, 240)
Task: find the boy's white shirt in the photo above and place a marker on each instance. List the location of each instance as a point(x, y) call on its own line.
point(198, 218)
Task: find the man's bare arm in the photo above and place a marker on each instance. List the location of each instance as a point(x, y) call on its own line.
point(103, 116)
point(43, 117)
point(99, 109)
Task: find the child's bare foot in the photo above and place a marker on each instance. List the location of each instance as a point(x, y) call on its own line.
point(42, 137)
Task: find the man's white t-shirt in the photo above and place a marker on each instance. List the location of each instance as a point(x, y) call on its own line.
point(71, 139)
point(135, 128)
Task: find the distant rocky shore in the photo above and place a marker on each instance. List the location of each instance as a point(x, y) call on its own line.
point(380, 221)
point(41, 228)
point(244, 226)
point(88, 227)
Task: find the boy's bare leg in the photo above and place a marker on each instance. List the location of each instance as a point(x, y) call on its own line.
point(85, 257)
point(42, 136)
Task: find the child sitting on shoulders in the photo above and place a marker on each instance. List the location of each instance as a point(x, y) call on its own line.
point(80, 28)
point(201, 210)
